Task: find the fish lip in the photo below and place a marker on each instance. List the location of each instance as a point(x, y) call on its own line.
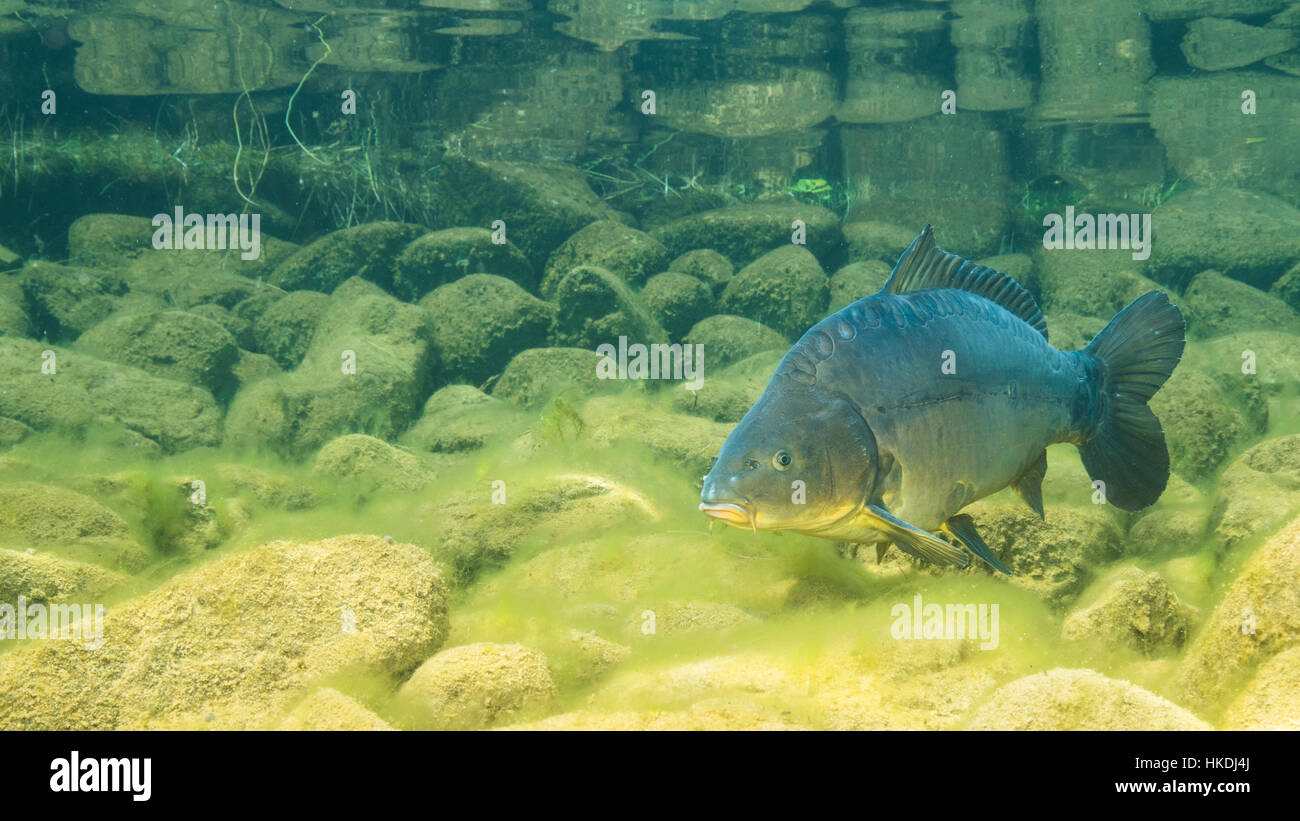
point(732, 514)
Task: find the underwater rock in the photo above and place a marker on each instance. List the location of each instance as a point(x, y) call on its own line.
point(440, 257)
point(369, 251)
point(1215, 305)
point(67, 524)
point(1258, 617)
point(13, 319)
point(1072, 332)
point(1203, 423)
point(284, 330)
point(372, 463)
point(252, 367)
point(460, 418)
point(728, 339)
point(743, 233)
point(481, 321)
point(369, 366)
point(12, 432)
point(1053, 558)
point(889, 78)
point(268, 488)
point(1273, 356)
point(63, 301)
point(952, 172)
point(1177, 523)
point(1093, 73)
point(676, 301)
point(328, 710)
point(688, 442)
point(170, 344)
point(677, 617)
point(773, 100)
point(537, 375)
point(477, 685)
point(856, 280)
point(785, 289)
point(1136, 609)
point(595, 307)
point(1089, 283)
point(1212, 144)
point(42, 578)
point(1065, 699)
point(592, 656)
point(541, 205)
point(1187, 9)
point(708, 715)
point(728, 396)
point(870, 240)
point(240, 329)
point(215, 639)
point(610, 245)
point(1257, 492)
point(706, 265)
point(992, 40)
point(1286, 288)
point(85, 393)
point(475, 533)
point(123, 242)
point(1213, 43)
point(1272, 699)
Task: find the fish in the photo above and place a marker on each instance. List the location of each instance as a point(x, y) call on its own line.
point(888, 417)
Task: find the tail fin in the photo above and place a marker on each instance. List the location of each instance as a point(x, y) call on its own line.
point(1136, 353)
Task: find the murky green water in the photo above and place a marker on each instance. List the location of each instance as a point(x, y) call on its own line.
point(305, 311)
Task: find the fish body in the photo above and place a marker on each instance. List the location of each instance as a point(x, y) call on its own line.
point(891, 415)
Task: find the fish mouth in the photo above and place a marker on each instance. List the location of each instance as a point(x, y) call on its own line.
point(734, 515)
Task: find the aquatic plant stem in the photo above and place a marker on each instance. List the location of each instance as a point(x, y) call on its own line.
point(289, 108)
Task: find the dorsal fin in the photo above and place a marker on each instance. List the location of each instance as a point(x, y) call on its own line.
point(925, 265)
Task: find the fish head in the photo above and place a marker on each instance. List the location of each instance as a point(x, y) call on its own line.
point(799, 460)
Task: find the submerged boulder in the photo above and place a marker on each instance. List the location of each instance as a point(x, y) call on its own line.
point(369, 251)
point(440, 257)
point(481, 321)
point(631, 255)
point(476, 686)
point(785, 289)
point(1064, 699)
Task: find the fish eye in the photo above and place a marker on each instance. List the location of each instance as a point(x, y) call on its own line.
point(782, 459)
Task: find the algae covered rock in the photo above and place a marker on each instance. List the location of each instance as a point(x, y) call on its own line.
point(1272, 699)
point(1065, 699)
point(1258, 617)
point(42, 578)
point(785, 289)
point(328, 710)
point(440, 257)
point(856, 280)
point(170, 344)
point(1053, 557)
point(1245, 235)
point(368, 368)
point(630, 254)
point(870, 240)
point(1136, 609)
point(481, 321)
point(1258, 492)
point(677, 301)
point(595, 307)
point(728, 339)
point(13, 319)
point(284, 330)
point(126, 242)
point(369, 251)
point(1072, 332)
point(83, 393)
point(373, 463)
point(476, 686)
point(1215, 305)
point(460, 418)
point(241, 638)
point(64, 301)
point(539, 374)
point(744, 233)
point(1092, 283)
point(706, 265)
point(1203, 423)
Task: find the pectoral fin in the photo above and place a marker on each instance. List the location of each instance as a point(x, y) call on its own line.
point(963, 528)
point(913, 540)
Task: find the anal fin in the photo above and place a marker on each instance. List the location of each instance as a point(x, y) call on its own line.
point(963, 527)
point(1029, 484)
